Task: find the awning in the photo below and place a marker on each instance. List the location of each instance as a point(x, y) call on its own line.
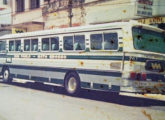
point(28, 26)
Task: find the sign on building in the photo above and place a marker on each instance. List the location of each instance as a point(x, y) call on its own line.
point(18, 30)
point(153, 20)
point(144, 8)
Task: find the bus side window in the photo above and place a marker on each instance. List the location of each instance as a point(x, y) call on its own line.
point(34, 44)
point(2, 45)
point(54, 43)
point(79, 42)
point(18, 45)
point(68, 42)
point(27, 45)
point(11, 45)
point(110, 41)
point(96, 41)
point(45, 44)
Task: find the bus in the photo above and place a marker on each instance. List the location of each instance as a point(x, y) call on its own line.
point(115, 57)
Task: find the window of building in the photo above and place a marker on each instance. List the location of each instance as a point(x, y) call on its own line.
point(34, 45)
point(20, 5)
point(106, 41)
point(27, 45)
point(5, 2)
point(34, 4)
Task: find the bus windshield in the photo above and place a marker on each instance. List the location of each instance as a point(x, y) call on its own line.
point(148, 40)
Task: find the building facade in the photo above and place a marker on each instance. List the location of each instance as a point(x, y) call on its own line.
point(32, 15)
point(5, 17)
point(27, 15)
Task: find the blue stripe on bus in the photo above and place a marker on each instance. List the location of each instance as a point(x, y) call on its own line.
point(12, 75)
point(6, 56)
point(115, 88)
point(57, 81)
point(34, 56)
point(82, 71)
point(156, 77)
point(85, 84)
point(91, 57)
point(100, 86)
point(97, 86)
point(39, 79)
point(22, 76)
point(95, 57)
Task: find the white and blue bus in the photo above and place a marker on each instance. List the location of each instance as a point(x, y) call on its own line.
point(118, 57)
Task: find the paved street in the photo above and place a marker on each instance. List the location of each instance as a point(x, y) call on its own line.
point(38, 102)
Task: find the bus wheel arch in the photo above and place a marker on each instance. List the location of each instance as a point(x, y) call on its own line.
point(72, 82)
point(6, 74)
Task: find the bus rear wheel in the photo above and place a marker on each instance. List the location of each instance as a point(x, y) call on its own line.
point(6, 75)
point(72, 83)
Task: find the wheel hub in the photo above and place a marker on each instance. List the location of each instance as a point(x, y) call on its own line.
point(72, 84)
point(6, 74)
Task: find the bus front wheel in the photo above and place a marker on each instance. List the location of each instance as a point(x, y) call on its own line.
point(72, 83)
point(6, 75)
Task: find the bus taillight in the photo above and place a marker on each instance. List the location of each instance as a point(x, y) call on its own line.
point(138, 76)
point(143, 76)
point(133, 75)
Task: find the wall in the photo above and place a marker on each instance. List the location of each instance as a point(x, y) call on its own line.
point(5, 13)
point(91, 12)
point(28, 15)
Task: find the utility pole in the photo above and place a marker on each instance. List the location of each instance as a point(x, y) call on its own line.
point(70, 12)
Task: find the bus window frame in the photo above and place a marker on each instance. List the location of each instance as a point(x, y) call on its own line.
point(51, 51)
point(102, 32)
point(80, 34)
point(147, 28)
point(14, 51)
point(73, 35)
point(42, 44)
point(30, 38)
point(24, 44)
point(2, 51)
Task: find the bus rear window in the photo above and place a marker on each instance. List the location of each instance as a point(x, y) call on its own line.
point(148, 40)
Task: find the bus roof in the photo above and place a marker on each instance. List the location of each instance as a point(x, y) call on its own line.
point(115, 25)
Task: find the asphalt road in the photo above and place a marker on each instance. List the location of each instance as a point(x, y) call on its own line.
point(44, 102)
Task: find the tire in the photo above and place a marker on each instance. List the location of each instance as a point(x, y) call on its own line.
point(72, 83)
point(6, 75)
